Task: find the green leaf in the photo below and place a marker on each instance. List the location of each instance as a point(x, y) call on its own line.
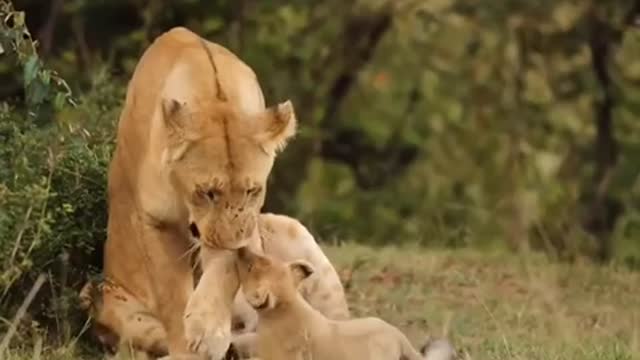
point(18, 19)
point(547, 163)
point(211, 25)
point(537, 88)
point(45, 76)
point(67, 208)
point(37, 93)
point(59, 100)
point(436, 6)
point(566, 15)
point(31, 68)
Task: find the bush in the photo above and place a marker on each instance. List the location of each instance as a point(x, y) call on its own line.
point(53, 164)
point(52, 195)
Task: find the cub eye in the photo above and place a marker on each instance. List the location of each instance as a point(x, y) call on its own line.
point(254, 191)
point(249, 267)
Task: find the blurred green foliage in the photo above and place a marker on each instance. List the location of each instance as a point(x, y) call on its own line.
point(441, 122)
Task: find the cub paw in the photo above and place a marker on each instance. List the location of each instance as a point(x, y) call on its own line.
point(245, 318)
point(207, 335)
point(180, 357)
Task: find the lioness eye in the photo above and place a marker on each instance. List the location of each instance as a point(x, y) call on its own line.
point(249, 267)
point(211, 194)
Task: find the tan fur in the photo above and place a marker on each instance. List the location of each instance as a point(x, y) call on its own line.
point(439, 349)
point(289, 328)
point(286, 239)
point(282, 237)
point(194, 148)
point(114, 308)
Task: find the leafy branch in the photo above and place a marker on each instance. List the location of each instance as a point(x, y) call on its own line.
point(41, 85)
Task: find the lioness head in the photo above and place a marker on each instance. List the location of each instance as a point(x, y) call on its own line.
point(267, 283)
point(218, 160)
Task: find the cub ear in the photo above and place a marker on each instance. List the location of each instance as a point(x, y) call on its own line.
point(300, 269)
point(277, 125)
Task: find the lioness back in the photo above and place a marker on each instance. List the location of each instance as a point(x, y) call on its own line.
point(238, 80)
point(176, 67)
point(287, 239)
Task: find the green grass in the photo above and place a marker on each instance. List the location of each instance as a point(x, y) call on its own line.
point(497, 306)
point(492, 305)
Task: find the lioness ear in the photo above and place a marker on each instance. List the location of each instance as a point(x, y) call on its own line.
point(172, 114)
point(300, 269)
point(173, 118)
point(276, 127)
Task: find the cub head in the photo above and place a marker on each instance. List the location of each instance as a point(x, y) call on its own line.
point(268, 283)
point(218, 160)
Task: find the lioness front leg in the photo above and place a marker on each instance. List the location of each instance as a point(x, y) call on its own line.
point(121, 320)
point(171, 286)
point(124, 323)
point(170, 314)
point(207, 317)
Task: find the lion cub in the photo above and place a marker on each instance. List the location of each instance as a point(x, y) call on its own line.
point(289, 328)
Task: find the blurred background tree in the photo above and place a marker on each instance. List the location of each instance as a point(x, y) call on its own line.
point(442, 122)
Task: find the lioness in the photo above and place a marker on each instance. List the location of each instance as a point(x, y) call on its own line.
point(195, 145)
point(289, 328)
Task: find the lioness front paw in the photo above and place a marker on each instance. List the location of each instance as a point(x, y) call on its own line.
point(207, 335)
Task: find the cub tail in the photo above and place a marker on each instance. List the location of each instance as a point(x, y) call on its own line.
point(438, 349)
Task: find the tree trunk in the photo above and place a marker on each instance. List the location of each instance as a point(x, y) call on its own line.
point(602, 209)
